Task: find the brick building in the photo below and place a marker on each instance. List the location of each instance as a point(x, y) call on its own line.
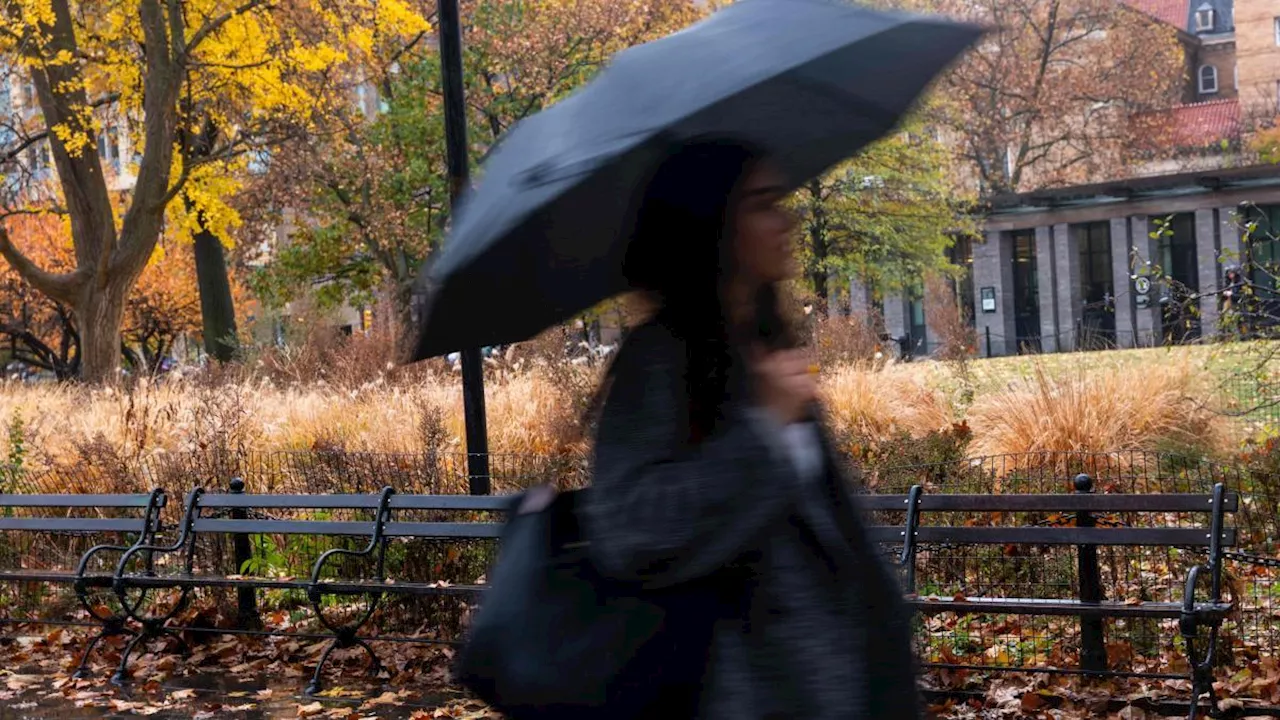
point(1076, 268)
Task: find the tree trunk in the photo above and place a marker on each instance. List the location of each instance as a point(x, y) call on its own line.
point(818, 243)
point(217, 307)
point(100, 313)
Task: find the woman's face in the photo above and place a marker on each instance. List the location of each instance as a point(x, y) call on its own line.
point(763, 245)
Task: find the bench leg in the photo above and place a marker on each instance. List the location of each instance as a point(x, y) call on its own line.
point(1201, 667)
point(121, 672)
point(113, 630)
point(342, 642)
point(150, 631)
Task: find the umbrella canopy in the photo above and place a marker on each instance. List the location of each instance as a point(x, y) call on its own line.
point(543, 235)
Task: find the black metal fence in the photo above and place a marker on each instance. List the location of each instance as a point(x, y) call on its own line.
point(302, 471)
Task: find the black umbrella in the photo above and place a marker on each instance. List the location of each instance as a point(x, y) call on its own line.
point(543, 235)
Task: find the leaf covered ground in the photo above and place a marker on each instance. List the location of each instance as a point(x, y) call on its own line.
point(229, 676)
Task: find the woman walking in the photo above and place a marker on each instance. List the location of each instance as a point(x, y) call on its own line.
point(711, 467)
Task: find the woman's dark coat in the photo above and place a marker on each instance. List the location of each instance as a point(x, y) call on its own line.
point(818, 629)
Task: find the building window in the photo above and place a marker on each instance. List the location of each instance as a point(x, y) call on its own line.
point(41, 159)
point(29, 97)
point(1204, 19)
point(1178, 264)
point(961, 255)
point(1277, 21)
point(1026, 292)
point(109, 148)
point(1261, 257)
point(1097, 328)
point(918, 330)
point(1208, 79)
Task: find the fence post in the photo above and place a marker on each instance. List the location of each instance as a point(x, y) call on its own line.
point(246, 597)
point(1093, 646)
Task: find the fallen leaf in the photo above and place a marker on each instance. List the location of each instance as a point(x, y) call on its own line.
point(18, 683)
point(386, 698)
point(184, 694)
point(314, 708)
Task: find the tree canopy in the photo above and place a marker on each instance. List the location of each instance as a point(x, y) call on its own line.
point(143, 115)
point(375, 186)
point(887, 216)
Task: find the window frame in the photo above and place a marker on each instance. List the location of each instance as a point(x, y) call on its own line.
point(1200, 80)
point(1203, 14)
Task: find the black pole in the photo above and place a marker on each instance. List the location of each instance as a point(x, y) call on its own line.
point(455, 135)
point(1093, 644)
point(246, 598)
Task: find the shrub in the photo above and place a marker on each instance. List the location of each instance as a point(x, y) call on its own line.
point(844, 340)
point(877, 405)
point(1143, 408)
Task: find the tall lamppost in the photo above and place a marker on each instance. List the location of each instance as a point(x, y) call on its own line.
point(449, 30)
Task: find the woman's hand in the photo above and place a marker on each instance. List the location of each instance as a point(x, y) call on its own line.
point(785, 383)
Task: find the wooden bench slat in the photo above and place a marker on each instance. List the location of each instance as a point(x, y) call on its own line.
point(283, 527)
point(451, 502)
point(416, 588)
point(1163, 537)
point(1117, 502)
point(54, 576)
point(1034, 606)
point(300, 502)
point(72, 525)
point(459, 530)
point(356, 502)
point(72, 500)
point(347, 528)
point(168, 581)
point(336, 587)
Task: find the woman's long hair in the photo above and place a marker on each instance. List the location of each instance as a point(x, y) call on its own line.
point(682, 254)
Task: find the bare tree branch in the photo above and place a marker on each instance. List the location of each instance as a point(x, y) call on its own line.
point(62, 287)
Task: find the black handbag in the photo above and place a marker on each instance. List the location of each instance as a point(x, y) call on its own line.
point(553, 638)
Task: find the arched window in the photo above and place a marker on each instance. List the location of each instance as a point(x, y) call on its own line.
point(1208, 79)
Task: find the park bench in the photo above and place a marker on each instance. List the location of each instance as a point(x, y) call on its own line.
point(1086, 531)
point(106, 523)
point(240, 515)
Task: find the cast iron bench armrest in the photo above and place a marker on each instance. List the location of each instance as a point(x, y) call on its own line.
point(150, 525)
point(119, 583)
point(1193, 614)
point(384, 500)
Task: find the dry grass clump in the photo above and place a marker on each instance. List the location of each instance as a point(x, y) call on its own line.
point(1120, 409)
point(106, 437)
point(878, 405)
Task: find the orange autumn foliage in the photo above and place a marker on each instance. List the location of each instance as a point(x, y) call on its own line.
point(45, 334)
